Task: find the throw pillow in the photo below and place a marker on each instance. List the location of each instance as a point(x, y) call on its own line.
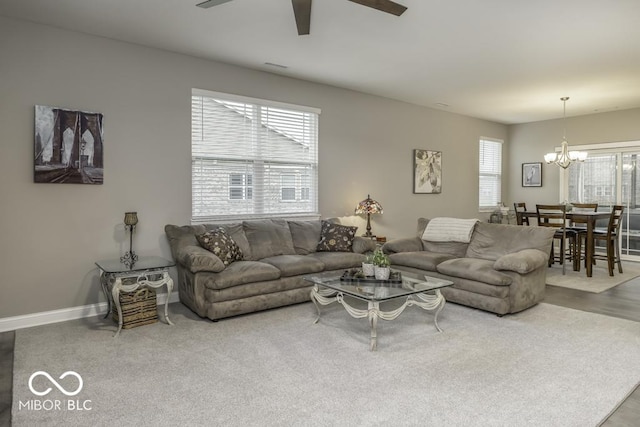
point(336, 237)
point(221, 244)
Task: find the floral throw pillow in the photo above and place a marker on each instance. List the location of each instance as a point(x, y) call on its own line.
point(336, 237)
point(221, 245)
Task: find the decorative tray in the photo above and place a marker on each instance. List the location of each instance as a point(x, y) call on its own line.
point(355, 275)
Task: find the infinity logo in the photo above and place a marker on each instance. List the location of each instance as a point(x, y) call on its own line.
point(55, 383)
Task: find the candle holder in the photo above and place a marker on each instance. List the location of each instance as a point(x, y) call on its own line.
point(130, 221)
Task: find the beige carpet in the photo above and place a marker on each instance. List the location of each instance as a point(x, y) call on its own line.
point(599, 282)
point(547, 366)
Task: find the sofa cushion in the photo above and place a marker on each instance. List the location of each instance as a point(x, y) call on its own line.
point(268, 237)
point(336, 237)
point(196, 258)
point(457, 249)
point(221, 245)
point(338, 260)
point(240, 273)
point(305, 235)
point(295, 265)
point(491, 241)
point(236, 231)
point(182, 236)
point(523, 262)
point(422, 260)
point(474, 269)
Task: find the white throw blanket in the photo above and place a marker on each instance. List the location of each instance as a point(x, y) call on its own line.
point(449, 230)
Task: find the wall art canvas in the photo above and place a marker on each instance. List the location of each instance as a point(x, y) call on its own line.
point(427, 171)
point(532, 174)
point(68, 146)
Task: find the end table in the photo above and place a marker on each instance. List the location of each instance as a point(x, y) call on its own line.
point(113, 272)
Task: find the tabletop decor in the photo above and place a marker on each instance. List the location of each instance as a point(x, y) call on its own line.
point(68, 146)
point(368, 206)
point(427, 171)
point(381, 265)
point(130, 221)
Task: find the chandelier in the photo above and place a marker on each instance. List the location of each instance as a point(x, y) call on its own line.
point(565, 157)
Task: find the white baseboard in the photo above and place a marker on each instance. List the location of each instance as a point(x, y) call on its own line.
point(72, 313)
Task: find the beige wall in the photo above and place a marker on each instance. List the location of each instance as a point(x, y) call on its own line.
point(529, 142)
point(53, 233)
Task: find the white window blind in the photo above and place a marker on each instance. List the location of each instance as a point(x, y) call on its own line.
point(248, 157)
point(490, 179)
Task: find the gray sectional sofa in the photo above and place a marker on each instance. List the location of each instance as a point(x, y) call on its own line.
point(275, 255)
point(502, 269)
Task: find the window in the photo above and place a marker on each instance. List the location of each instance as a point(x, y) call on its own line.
point(490, 177)
point(252, 158)
point(609, 176)
point(288, 187)
point(240, 186)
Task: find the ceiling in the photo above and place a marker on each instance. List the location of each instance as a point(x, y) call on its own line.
point(508, 61)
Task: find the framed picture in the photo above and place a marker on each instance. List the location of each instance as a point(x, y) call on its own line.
point(68, 146)
point(532, 174)
point(427, 172)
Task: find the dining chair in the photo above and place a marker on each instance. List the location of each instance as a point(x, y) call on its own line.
point(611, 238)
point(518, 208)
point(580, 227)
point(556, 216)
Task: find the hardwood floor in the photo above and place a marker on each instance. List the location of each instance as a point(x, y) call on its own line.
point(623, 301)
point(6, 377)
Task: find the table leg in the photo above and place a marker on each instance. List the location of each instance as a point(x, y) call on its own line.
point(441, 301)
point(169, 281)
point(374, 310)
point(104, 282)
point(115, 292)
point(590, 243)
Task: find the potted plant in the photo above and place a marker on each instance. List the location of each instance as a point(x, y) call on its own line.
point(382, 265)
point(367, 265)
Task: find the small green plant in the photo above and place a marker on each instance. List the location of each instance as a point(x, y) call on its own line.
point(380, 259)
point(368, 258)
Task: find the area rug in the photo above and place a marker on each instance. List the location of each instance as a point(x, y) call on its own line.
point(600, 280)
point(546, 366)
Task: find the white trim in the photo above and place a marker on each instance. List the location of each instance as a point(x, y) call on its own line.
point(65, 314)
point(249, 100)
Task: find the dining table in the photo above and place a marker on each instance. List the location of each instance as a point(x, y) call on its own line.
point(588, 218)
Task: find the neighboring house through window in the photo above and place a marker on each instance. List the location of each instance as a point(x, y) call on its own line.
point(252, 158)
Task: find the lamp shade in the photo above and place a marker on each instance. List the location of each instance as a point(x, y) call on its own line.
point(130, 218)
point(368, 206)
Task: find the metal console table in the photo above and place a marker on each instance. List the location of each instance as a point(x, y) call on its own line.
point(122, 278)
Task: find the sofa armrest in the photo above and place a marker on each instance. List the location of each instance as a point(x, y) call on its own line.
point(196, 258)
point(407, 244)
point(362, 245)
point(523, 262)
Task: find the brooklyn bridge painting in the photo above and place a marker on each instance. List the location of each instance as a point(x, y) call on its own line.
point(68, 146)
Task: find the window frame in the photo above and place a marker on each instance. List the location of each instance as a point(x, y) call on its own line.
point(495, 174)
point(289, 126)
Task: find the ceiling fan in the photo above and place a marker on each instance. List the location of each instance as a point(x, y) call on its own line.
point(302, 10)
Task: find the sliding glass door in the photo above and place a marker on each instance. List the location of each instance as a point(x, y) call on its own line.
point(610, 177)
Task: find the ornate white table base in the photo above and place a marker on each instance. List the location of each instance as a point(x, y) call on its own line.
point(429, 302)
point(141, 280)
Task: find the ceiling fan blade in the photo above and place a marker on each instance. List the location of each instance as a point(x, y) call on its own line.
point(383, 5)
point(210, 3)
point(302, 11)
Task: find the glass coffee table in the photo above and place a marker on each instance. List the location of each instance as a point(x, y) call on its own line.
point(416, 289)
